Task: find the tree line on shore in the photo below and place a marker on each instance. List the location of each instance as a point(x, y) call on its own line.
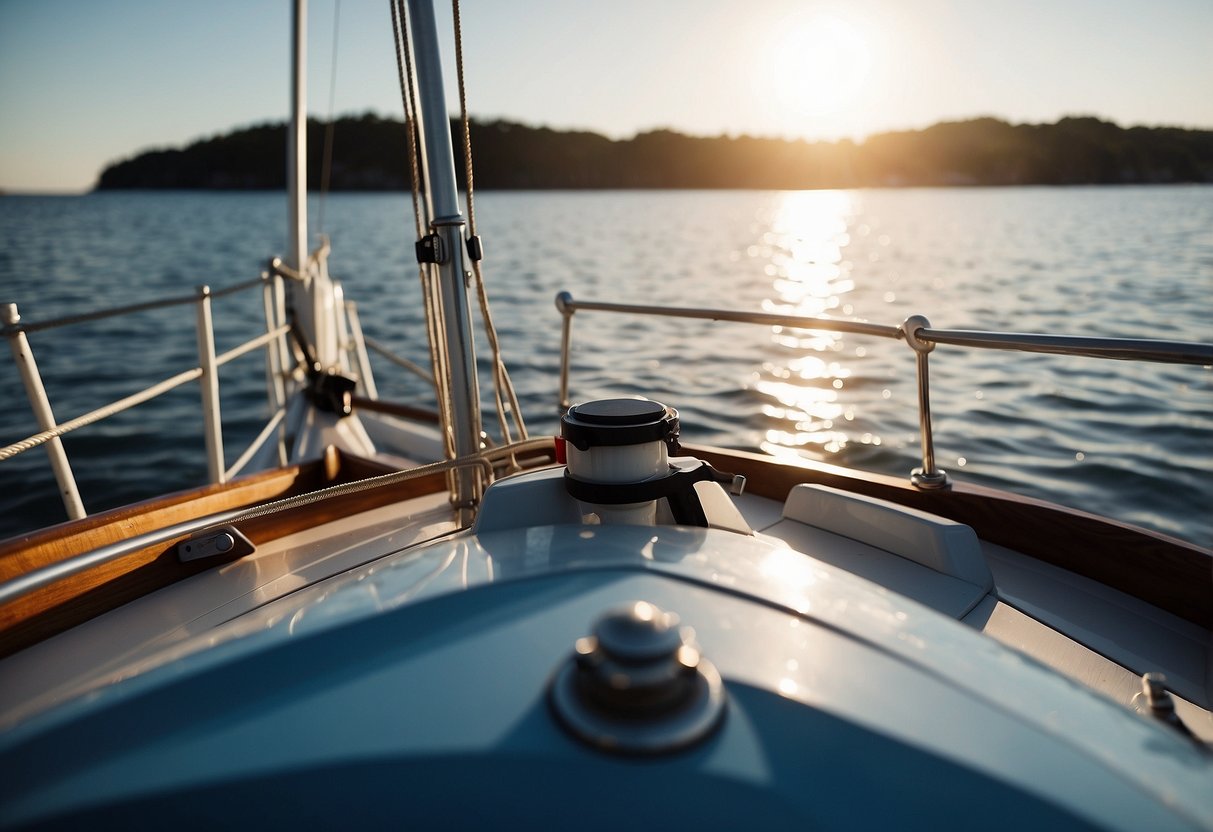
point(369, 153)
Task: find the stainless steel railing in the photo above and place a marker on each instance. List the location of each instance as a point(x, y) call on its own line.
point(918, 334)
point(273, 340)
point(281, 363)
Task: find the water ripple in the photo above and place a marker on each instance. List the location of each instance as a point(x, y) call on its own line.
point(1130, 441)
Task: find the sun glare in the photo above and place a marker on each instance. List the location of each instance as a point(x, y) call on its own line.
point(810, 276)
point(817, 69)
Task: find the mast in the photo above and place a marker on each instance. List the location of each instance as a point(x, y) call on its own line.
point(448, 224)
point(312, 298)
point(296, 173)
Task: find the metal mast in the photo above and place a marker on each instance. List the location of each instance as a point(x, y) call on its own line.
point(312, 297)
point(448, 225)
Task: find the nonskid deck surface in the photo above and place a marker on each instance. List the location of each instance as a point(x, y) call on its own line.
point(61, 666)
point(1100, 637)
point(1103, 638)
point(404, 647)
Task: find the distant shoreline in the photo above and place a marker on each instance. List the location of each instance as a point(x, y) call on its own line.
point(369, 155)
point(403, 192)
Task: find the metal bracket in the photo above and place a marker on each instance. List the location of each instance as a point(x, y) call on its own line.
point(1156, 701)
point(430, 249)
point(224, 542)
point(928, 477)
point(333, 392)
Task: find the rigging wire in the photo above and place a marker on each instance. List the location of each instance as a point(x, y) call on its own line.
point(327, 165)
point(507, 405)
point(503, 387)
point(404, 69)
point(431, 299)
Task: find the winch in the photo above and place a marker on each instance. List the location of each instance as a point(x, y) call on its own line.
point(619, 456)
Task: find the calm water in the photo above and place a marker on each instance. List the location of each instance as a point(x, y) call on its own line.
point(1124, 440)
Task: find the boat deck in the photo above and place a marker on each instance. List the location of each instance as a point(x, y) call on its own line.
point(1098, 636)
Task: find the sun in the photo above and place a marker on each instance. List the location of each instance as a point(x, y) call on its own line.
point(817, 69)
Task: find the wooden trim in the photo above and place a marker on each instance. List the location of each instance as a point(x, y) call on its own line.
point(353, 468)
point(25, 553)
point(64, 604)
point(1169, 573)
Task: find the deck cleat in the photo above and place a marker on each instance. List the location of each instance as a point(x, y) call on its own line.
point(638, 685)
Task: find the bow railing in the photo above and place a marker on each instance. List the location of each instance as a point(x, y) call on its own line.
point(918, 334)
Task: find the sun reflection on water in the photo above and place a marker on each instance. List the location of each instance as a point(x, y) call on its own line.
point(806, 247)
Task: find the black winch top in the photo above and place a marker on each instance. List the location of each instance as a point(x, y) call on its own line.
point(619, 422)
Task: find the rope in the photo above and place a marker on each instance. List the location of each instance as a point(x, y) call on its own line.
point(463, 113)
point(100, 413)
point(429, 290)
point(103, 313)
point(113, 312)
point(406, 98)
point(503, 387)
point(19, 587)
point(484, 460)
point(361, 485)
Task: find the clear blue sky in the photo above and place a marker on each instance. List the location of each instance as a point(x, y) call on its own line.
point(86, 82)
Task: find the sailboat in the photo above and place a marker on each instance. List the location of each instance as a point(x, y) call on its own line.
point(395, 619)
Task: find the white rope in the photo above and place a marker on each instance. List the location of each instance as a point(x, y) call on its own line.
point(100, 413)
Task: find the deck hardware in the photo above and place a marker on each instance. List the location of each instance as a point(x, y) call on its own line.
point(333, 391)
point(621, 445)
point(618, 454)
point(678, 487)
point(475, 248)
point(928, 477)
point(226, 542)
point(618, 422)
point(638, 685)
point(430, 249)
point(1156, 701)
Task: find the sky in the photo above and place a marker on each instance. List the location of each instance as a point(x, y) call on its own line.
point(87, 82)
